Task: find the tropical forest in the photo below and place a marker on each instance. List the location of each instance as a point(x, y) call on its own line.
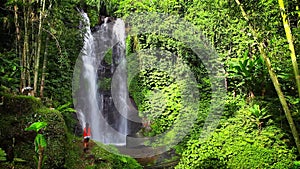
point(162, 84)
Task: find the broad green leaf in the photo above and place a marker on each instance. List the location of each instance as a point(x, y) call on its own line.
point(36, 126)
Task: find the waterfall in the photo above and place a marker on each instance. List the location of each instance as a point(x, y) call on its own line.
point(119, 81)
point(105, 111)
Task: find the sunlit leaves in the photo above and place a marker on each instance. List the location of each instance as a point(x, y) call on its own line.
point(39, 141)
point(36, 126)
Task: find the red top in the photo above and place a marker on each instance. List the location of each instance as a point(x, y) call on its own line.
point(87, 133)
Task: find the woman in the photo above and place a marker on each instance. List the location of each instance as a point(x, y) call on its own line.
point(86, 137)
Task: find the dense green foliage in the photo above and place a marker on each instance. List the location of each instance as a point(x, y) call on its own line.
point(240, 143)
point(61, 43)
point(253, 131)
point(247, 77)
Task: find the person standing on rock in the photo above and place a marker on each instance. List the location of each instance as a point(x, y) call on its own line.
point(86, 137)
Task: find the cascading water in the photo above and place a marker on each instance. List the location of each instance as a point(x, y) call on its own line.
point(89, 105)
point(105, 112)
point(119, 85)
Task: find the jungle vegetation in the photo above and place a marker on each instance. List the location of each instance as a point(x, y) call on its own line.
point(257, 42)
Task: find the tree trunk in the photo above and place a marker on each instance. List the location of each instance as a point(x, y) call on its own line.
point(289, 38)
point(30, 47)
point(297, 9)
point(274, 80)
point(25, 43)
point(44, 69)
point(33, 47)
point(18, 47)
point(39, 44)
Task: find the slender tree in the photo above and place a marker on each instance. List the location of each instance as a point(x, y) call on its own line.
point(44, 69)
point(273, 78)
point(32, 44)
point(18, 45)
point(289, 38)
point(39, 45)
point(25, 43)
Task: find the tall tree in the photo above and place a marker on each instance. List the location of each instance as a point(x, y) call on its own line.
point(289, 38)
point(42, 86)
point(18, 45)
point(39, 45)
point(25, 53)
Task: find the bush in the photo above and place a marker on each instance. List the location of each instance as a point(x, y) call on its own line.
point(239, 144)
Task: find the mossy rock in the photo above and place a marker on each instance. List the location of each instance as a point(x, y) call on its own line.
point(112, 158)
point(19, 104)
point(19, 112)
